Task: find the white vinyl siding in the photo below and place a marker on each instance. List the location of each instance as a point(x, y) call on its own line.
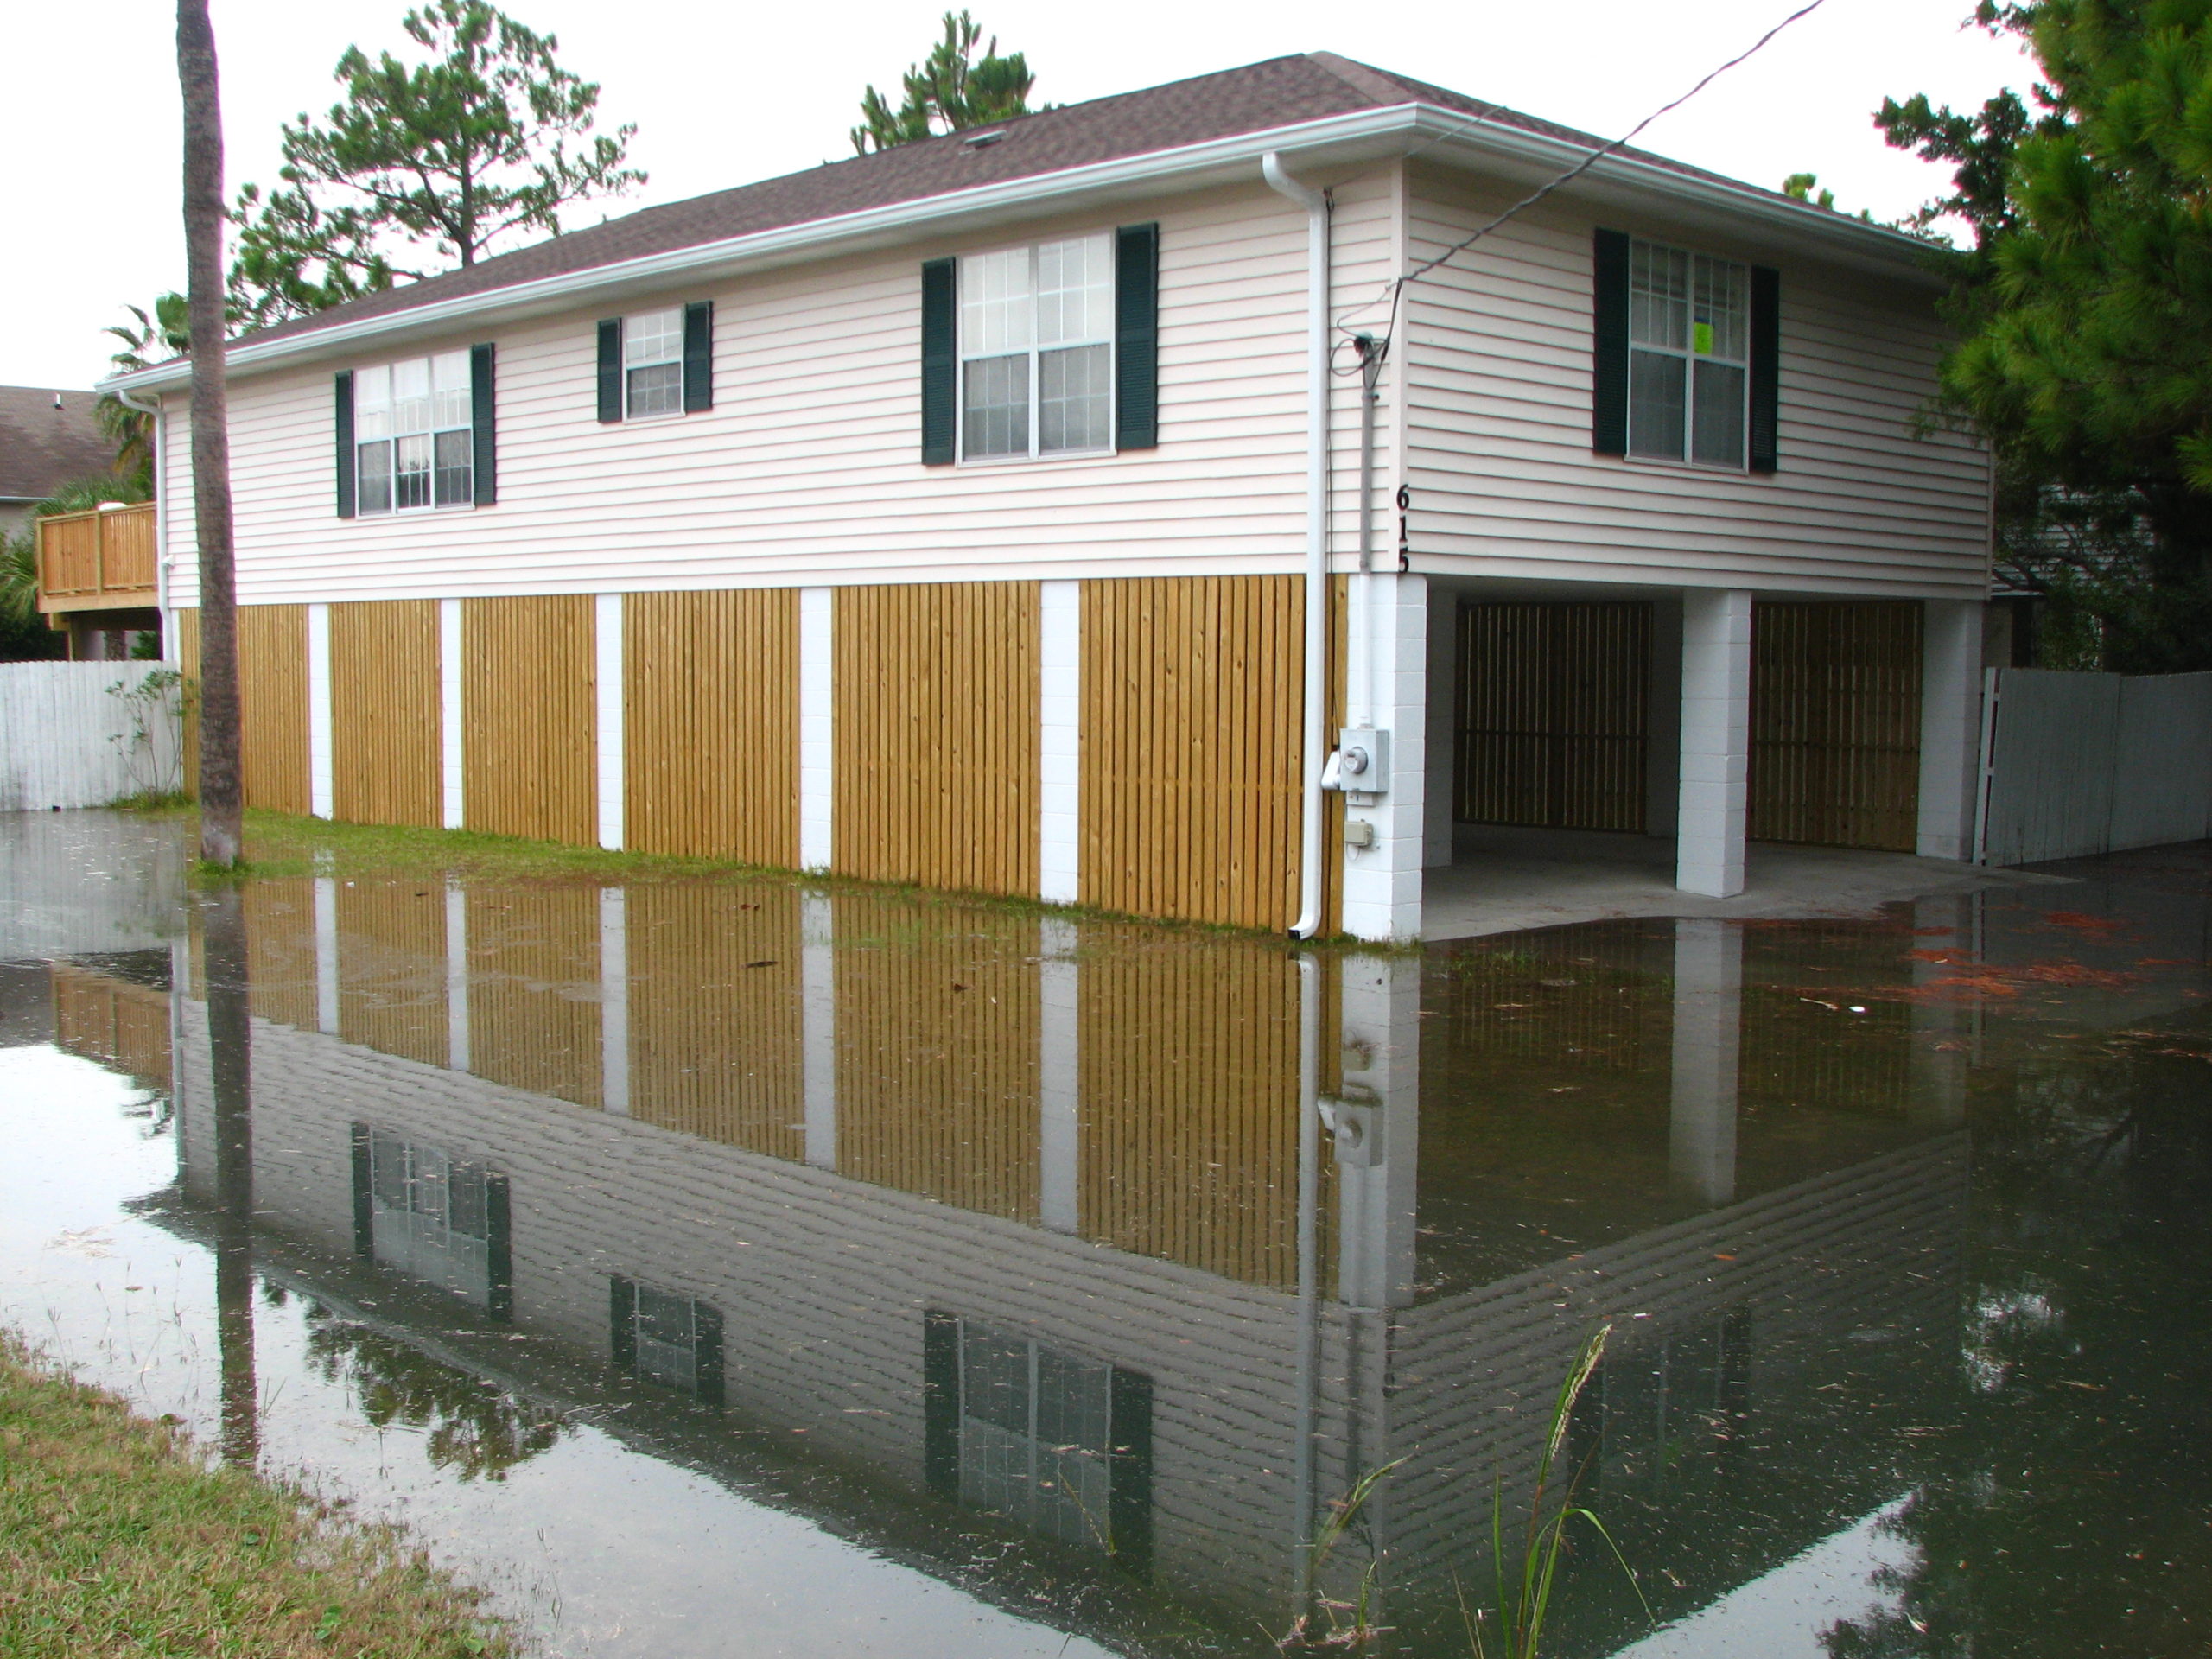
point(413, 439)
point(1036, 351)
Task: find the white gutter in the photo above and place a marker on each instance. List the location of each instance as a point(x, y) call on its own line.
point(1310, 853)
point(1376, 134)
point(156, 464)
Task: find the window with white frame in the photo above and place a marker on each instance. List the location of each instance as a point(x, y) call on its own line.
point(412, 433)
point(1037, 351)
point(1689, 356)
point(652, 364)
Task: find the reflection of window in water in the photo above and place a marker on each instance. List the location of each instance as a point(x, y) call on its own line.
point(1646, 1407)
point(1059, 1444)
point(433, 1217)
point(659, 1335)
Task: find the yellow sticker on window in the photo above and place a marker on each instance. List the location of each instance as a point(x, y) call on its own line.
point(1701, 338)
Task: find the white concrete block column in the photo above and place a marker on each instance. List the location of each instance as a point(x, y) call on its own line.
point(1059, 1093)
point(1059, 738)
point(818, 779)
point(1387, 671)
point(1950, 726)
point(1716, 741)
point(321, 788)
point(456, 977)
point(607, 684)
point(818, 1029)
point(449, 716)
point(1707, 1055)
point(614, 1001)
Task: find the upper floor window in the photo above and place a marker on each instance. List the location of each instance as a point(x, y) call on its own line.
point(412, 433)
point(1689, 356)
point(1037, 350)
point(657, 363)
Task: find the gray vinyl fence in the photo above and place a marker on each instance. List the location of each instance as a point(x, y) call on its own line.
point(2078, 764)
point(70, 736)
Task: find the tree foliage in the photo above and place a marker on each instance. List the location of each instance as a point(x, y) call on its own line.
point(950, 90)
point(424, 165)
point(146, 339)
point(2085, 308)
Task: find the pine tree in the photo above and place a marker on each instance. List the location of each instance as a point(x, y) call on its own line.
point(950, 90)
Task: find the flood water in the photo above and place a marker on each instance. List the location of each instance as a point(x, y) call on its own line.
point(713, 1267)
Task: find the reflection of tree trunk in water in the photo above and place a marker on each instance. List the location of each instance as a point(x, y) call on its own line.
point(229, 1054)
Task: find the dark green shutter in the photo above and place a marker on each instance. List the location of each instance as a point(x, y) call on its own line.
point(610, 370)
point(622, 1322)
point(698, 356)
point(707, 1352)
point(499, 1249)
point(483, 449)
point(1766, 369)
point(1609, 361)
point(941, 1404)
point(1128, 1489)
point(940, 366)
point(365, 1214)
point(345, 457)
point(1136, 337)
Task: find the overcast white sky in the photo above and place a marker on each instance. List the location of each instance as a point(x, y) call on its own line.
point(722, 95)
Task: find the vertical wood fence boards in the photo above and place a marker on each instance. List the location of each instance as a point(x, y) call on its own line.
point(530, 718)
point(936, 751)
point(711, 714)
point(1835, 723)
point(937, 1085)
point(188, 662)
point(392, 989)
point(1192, 740)
point(113, 1021)
point(1190, 1088)
point(714, 1014)
point(534, 989)
point(2083, 764)
point(273, 698)
point(97, 560)
point(1554, 714)
point(385, 722)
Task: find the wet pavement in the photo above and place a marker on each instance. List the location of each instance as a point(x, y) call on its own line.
point(718, 1267)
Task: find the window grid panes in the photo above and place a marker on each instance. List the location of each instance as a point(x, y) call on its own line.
point(429, 1215)
point(652, 364)
point(1037, 361)
point(1689, 356)
point(413, 432)
point(1035, 1439)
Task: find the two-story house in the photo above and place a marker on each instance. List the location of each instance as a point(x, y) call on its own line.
point(1179, 503)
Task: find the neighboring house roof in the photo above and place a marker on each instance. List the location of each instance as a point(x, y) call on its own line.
point(49, 438)
point(1187, 118)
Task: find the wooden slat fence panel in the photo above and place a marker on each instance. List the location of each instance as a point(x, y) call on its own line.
point(938, 1085)
point(273, 696)
point(529, 717)
point(112, 1022)
point(97, 557)
point(1192, 691)
point(187, 651)
point(392, 951)
point(534, 989)
point(711, 720)
point(1554, 725)
point(385, 724)
point(1835, 723)
point(1188, 1061)
point(937, 747)
point(714, 1025)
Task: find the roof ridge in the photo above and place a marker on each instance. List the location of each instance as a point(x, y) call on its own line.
point(1364, 79)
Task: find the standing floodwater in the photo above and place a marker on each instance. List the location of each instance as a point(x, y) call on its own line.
point(721, 1267)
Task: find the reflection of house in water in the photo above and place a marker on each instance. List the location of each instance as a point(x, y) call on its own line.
point(1025, 1217)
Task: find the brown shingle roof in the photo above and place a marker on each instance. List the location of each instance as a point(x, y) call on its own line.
point(1278, 92)
point(42, 447)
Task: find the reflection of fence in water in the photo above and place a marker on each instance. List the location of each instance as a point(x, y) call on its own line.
point(112, 1022)
point(534, 989)
point(1802, 1045)
point(1570, 998)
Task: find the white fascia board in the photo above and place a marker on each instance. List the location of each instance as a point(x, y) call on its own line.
point(1365, 136)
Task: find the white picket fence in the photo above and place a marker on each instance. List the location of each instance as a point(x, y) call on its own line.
point(2079, 764)
point(85, 733)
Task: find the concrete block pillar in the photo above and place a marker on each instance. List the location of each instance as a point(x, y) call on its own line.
point(1716, 741)
point(613, 786)
point(818, 779)
point(322, 792)
point(1059, 740)
point(1950, 726)
point(1387, 677)
point(451, 718)
point(1707, 1056)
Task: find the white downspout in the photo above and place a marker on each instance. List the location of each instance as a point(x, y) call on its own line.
point(157, 460)
point(1316, 204)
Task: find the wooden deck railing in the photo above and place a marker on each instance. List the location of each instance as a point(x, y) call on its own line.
point(98, 561)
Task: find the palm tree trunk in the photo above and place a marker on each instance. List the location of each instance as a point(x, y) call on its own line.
point(221, 792)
